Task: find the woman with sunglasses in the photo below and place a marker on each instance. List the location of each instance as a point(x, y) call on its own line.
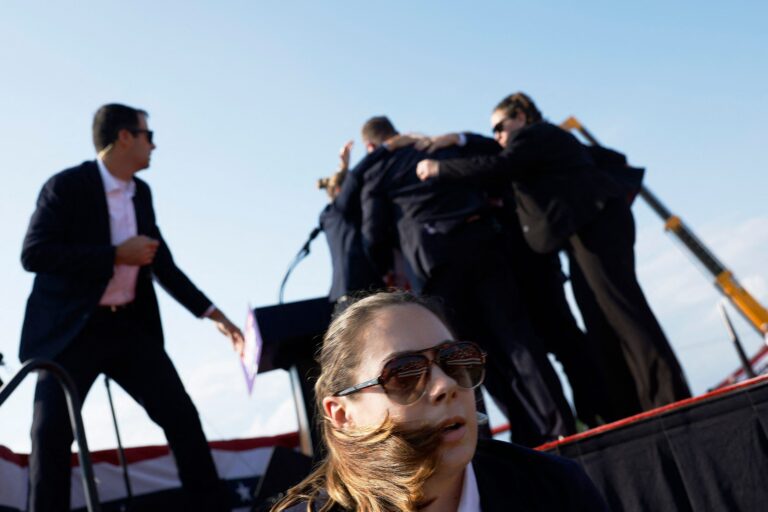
point(396, 396)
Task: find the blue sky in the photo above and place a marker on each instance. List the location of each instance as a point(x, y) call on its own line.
point(250, 102)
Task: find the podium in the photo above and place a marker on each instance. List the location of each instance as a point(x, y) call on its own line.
point(291, 334)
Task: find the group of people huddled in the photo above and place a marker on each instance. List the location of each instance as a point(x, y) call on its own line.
point(477, 224)
point(472, 226)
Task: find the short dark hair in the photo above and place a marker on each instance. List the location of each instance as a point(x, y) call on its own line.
point(110, 119)
point(378, 129)
point(520, 102)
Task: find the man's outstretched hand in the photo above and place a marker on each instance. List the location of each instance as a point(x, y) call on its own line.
point(443, 141)
point(229, 329)
point(344, 153)
point(421, 142)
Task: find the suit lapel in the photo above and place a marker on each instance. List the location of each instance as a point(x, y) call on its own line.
point(142, 207)
point(96, 191)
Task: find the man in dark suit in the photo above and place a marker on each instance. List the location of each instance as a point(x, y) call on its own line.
point(95, 246)
point(563, 202)
point(454, 248)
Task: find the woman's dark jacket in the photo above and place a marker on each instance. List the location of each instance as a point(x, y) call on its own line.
point(512, 478)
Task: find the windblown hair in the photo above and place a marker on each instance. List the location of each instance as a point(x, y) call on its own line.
point(378, 129)
point(110, 119)
point(379, 469)
point(520, 102)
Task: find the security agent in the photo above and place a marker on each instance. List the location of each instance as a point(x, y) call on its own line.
point(95, 247)
point(540, 280)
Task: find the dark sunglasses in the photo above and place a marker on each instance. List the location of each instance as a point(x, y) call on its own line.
point(405, 377)
point(149, 133)
point(499, 127)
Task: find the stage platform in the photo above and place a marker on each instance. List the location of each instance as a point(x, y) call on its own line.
point(708, 453)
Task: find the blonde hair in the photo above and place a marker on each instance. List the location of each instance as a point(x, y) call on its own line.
point(380, 469)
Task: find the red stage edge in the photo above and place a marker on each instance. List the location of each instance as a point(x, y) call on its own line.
point(682, 404)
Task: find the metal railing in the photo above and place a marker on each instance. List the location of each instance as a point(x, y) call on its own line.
point(73, 405)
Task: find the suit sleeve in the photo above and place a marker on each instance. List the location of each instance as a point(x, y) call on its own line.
point(348, 201)
point(48, 245)
point(479, 144)
point(512, 163)
point(171, 277)
point(376, 224)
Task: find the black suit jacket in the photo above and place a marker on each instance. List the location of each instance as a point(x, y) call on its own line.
point(419, 217)
point(557, 185)
point(340, 221)
point(68, 245)
point(512, 478)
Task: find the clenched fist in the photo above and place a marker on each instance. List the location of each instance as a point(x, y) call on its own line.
point(427, 169)
point(138, 250)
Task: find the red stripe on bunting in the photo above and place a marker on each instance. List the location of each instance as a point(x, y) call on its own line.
point(140, 453)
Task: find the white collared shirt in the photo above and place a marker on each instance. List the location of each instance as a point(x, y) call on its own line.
point(470, 495)
point(121, 289)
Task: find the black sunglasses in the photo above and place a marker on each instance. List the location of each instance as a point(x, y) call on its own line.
point(149, 133)
point(499, 127)
point(405, 376)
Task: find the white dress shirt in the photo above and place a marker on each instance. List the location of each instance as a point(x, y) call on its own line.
point(122, 226)
point(470, 496)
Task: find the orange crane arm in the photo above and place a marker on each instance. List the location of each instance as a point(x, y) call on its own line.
point(724, 280)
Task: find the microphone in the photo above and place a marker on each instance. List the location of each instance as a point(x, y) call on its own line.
point(305, 248)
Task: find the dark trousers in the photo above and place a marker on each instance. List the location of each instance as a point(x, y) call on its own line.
point(620, 384)
point(604, 251)
point(483, 304)
point(114, 343)
point(541, 280)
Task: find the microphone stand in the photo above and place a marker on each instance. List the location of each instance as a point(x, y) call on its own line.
point(303, 253)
